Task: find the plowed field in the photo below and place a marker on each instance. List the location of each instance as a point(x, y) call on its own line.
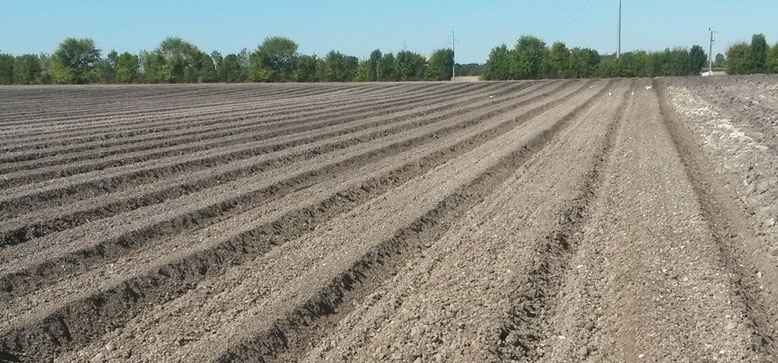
point(586, 220)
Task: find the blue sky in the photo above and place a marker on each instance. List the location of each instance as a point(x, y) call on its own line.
point(357, 27)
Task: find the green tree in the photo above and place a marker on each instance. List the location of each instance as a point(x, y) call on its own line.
point(584, 63)
point(498, 66)
point(363, 72)
point(58, 73)
point(127, 67)
point(218, 63)
point(369, 69)
point(106, 68)
point(231, 69)
point(6, 69)
point(739, 60)
point(530, 55)
point(27, 69)
point(386, 70)
point(607, 67)
point(558, 60)
point(410, 66)
point(758, 53)
point(772, 59)
point(274, 60)
point(75, 61)
point(181, 60)
point(338, 67)
point(244, 59)
point(697, 59)
point(154, 68)
point(44, 59)
point(630, 64)
point(720, 61)
point(307, 69)
point(440, 65)
point(206, 69)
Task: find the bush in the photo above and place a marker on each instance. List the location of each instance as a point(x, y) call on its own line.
point(739, 59)
point(772, 59)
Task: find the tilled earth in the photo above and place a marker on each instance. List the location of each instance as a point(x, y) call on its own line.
point(588, 220)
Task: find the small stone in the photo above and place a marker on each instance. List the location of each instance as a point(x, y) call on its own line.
point(640, 356)
point(109, 347)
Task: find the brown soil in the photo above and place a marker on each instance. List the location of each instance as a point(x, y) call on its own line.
point(602, 220)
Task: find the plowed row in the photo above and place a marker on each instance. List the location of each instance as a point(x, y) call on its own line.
point(537, 220)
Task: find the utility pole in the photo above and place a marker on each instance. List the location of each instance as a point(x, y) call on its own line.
point(710, 52)
point(453, 50)
point(618, 49)
point(403, 45)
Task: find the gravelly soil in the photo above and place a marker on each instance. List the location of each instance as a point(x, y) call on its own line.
point(599, 220)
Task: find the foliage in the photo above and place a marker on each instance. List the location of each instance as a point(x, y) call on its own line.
point(307, 68)
point(27, 69)
point(206, 69)
point(338, 67)
point(386, 70)
point(105, 71)
point(274, 60)
point(498, 66)
point(6, 69)
point(154, 68)
point(739, 59)
point(409, 66)
point(277, 60)
point(440, 65)
point(719, 61)
point(181, 61)
point(772, 59)
point(470, 69)
point(697, 58)
point(75, 61)
point(583, 63)
point(558, 62)
point(127, 68)
point(758, 53)
point(530, 55)
point(231, 70)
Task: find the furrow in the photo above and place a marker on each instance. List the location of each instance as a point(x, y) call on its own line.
point(526, 323)
point(100, 309)
point(79, 259)
point(224, 134)
point(88, 110)
point(65, 190)
point(262, 338)
point(741, 250)
point(140, 126)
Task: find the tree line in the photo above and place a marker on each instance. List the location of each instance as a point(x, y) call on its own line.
point(757, 57)
point(79, 61)
point(532, 59)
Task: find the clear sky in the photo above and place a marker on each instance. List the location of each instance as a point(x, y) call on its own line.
point(357, 27)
